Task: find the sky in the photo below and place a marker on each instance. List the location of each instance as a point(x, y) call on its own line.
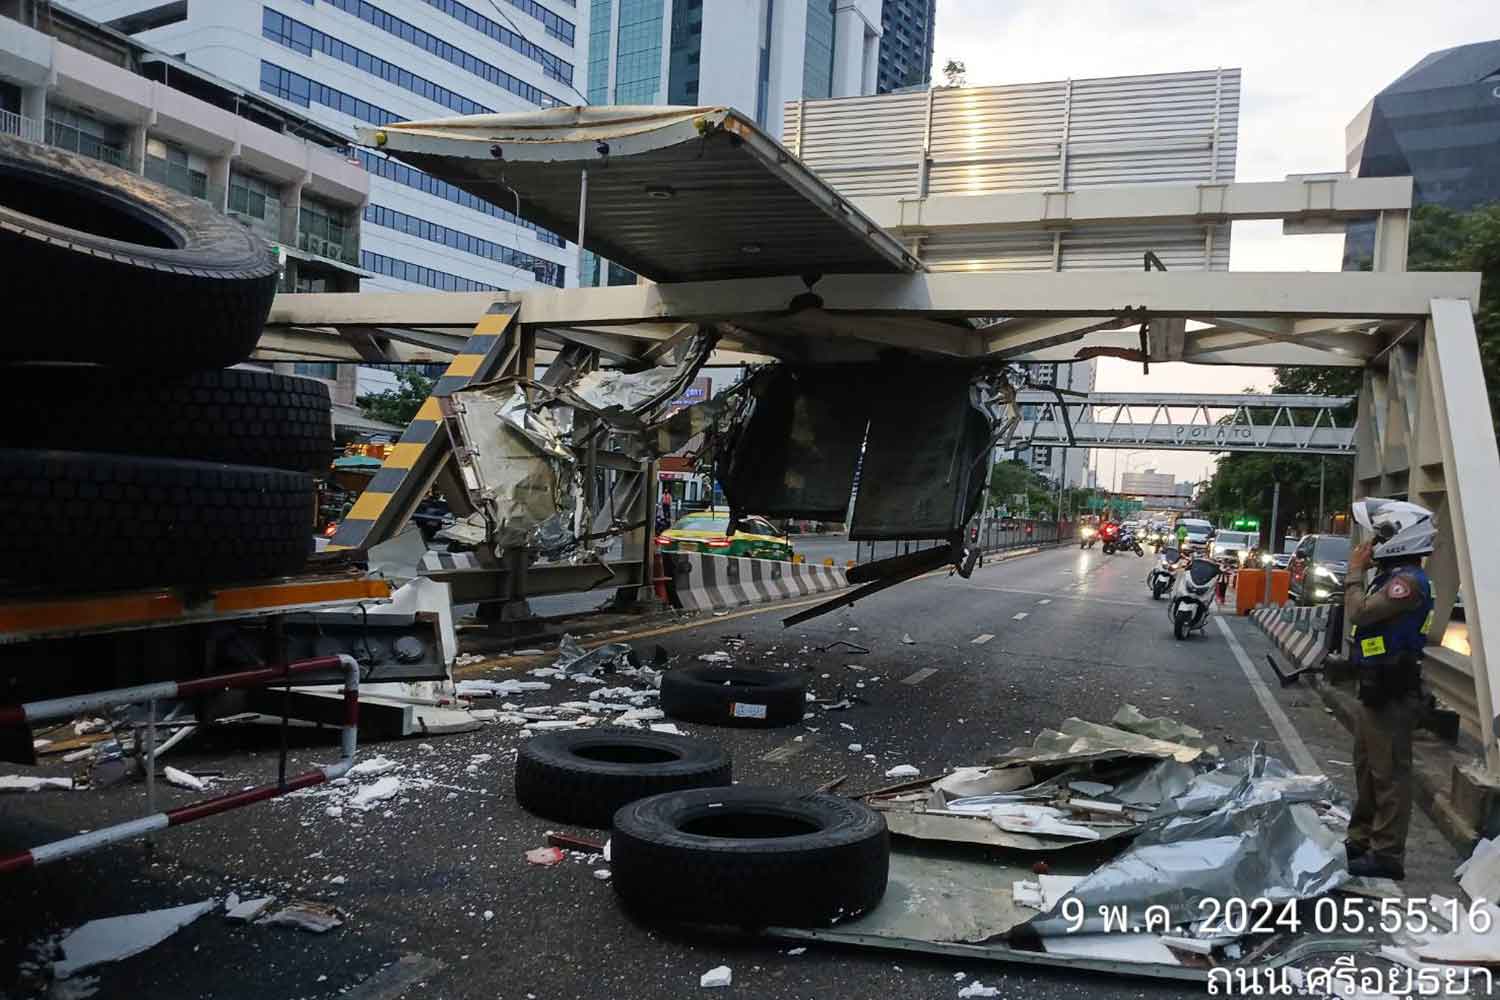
point(1307, 68)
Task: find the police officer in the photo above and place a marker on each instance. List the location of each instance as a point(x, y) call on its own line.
point(1388, 621)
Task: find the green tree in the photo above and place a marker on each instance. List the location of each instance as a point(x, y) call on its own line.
point(398, 406)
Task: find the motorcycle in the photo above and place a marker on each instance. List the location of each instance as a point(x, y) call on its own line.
point(1088, 535)
point(1109, 534)
point(1128, 542)
point(1193, 597)
point(1164, 573)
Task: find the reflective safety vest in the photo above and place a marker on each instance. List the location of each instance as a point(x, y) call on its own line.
point(1385, 642)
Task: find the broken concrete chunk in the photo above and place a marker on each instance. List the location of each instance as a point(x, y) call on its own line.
point(306, 915)
point(114, 938)
point(244, 911)
point(978, 989)
point(717, 976)
point(902, 771)
point(369, 795)
point(492, 689)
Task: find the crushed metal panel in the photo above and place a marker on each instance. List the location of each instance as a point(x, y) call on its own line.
point(515, 465)
point(926, 461)
point(674, 194)
point(795, 455)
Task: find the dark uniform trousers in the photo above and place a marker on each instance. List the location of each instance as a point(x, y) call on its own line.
point(1382, 772)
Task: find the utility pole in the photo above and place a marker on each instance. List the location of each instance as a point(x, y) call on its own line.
point(1320, 492)
point(1275, 503)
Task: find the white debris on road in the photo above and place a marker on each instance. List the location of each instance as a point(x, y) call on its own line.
point(184, 780)
point(602, 874)
point(114, 938)
point(718, 656)
point(907, 640)
point(668, 728)
point(492, 689)
point(902, 771)
point(369, 795)
point(716, 977)
point(978, 989)
point(243, 911)
point(856, 747)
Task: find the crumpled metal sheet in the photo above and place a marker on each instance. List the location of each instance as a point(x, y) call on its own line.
point(1078, 740)
point(1132, 719)
point(523, 467)
point(612, 390)
point(574, 659)
point(1259, 837)
point(1155, 785)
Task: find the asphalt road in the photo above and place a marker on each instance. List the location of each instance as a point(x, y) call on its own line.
point(439, 873)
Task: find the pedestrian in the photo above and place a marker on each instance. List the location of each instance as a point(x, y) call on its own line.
point(1388, 624)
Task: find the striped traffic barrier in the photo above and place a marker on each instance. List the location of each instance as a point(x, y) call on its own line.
point(700, 582)
point(1299, 633)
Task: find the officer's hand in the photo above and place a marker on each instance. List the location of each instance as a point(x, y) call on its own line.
point(1359, 559)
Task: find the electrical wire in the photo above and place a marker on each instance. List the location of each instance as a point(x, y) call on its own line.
point(517, 29)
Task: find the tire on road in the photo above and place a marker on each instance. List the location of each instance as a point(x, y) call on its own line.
point(584, 777)
point(749, 856)
point(80, 521)
point(724, 696)
point(235, 415)
point(108, 267)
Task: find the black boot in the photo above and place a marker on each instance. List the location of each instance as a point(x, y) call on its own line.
point(1354, 850)
point(1376, 866)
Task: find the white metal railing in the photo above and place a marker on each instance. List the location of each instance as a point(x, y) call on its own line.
point(22, 127)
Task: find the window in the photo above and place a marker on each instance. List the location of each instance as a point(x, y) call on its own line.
point(403, 270)
point(552, 66)
point(545, 271)
point(249, 195)
point(316, 369)
point(411, 177)
point(300, 38)
point(320, 229)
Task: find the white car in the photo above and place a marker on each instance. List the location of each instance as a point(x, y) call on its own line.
point(1198, 531)
point(1234, 545)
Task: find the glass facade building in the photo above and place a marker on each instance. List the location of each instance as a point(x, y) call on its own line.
point(906, 44)
point(817, 66)
point(1438, 123)
point(638, 52)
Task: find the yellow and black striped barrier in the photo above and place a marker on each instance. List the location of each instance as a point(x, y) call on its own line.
point(414, 461)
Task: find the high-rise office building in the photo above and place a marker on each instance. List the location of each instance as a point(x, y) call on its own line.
point(906, 44)
point(349, 62)
point(751, 55)
point(1438, 123)
point(1148, 484)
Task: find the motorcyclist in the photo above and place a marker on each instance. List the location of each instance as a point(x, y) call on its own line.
point(1388, 621)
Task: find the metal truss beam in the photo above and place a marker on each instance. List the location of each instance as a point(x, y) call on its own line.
point(1187, 422)
point(1310, 201)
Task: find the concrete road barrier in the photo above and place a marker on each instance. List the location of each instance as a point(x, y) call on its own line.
point(700, 582)
point(1301, 634)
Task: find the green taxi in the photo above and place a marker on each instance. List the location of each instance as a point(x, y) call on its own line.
point(705, 531)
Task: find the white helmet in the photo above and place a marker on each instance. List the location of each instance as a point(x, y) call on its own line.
point(1396, 527)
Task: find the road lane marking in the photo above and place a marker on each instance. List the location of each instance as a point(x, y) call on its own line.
point(980, 640)
point(1066, 597)
point(1289, 737)
point(1019, 616)
point(919, 676)
point(790, 748)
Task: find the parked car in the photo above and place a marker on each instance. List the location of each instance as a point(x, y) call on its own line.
point(1318, 566)
point(707, 531)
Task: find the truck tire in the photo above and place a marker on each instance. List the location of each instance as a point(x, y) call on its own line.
point(583, 777)
point(721, 696)
point(79, 521)
point(107, 267)
point(755, 857)
point(236, 415)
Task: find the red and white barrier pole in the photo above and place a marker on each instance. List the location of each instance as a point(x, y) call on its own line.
point(135, 828)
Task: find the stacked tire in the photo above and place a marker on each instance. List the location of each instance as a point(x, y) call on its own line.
point(131, 454)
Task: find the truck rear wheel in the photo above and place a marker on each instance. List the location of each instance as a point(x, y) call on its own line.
point(81, 521)
point(107, 267)
point(236, 415)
